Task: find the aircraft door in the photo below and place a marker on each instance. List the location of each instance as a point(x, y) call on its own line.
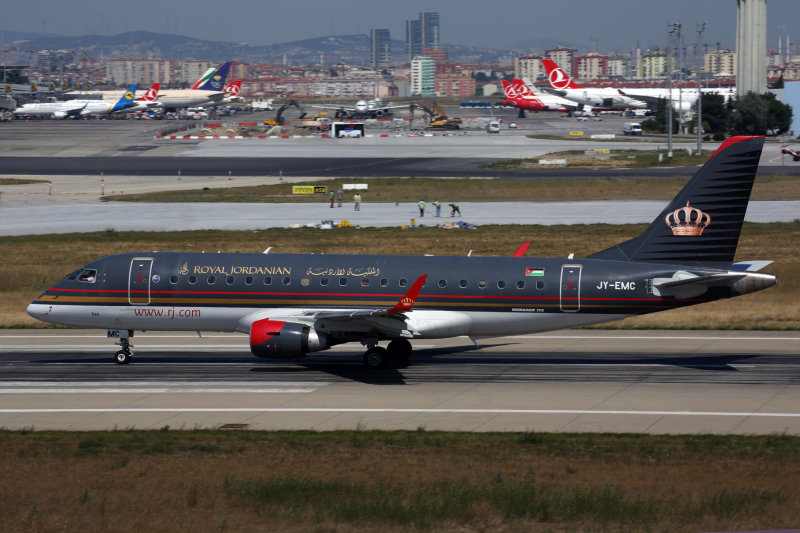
point(139, 281)
point(570, 288)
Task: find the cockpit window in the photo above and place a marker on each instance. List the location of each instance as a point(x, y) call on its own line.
point(74, 275)
point(88, 276)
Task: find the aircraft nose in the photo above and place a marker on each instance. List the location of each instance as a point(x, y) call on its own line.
point(38, 311)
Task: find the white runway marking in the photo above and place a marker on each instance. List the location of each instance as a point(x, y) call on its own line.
point(389, 410)
point(153, 390)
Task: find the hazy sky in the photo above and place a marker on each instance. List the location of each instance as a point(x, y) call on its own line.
point(616, 24)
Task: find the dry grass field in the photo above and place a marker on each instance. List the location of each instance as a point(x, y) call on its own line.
point(33, 263)
point(471, 190)
point(132, 481)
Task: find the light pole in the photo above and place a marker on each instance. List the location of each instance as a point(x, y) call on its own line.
point(701, 27)
point(671, 29)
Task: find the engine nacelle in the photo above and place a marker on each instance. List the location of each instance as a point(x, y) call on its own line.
point(681, 106)
point(60, 114)
point(275, 339)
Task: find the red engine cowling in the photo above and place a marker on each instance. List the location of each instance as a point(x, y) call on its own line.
point(275, 339)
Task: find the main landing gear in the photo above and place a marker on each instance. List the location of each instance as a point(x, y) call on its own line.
point(124, 355)
point(398, 351)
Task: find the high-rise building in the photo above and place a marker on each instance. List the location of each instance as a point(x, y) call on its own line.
point(591, 66)
point(529, 66)
point(721, 63)
point(430, 30)
point(423, 76)
point(564, 57)
point(381, 48)
point(413, 39)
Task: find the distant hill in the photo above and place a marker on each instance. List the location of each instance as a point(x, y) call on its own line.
point(349, 49)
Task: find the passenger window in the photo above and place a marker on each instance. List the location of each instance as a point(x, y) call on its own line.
point(403, 282)
point(342, 281)
point(364, 282)
point(192, 279)
point(88, 276)
point(482, 284)
point(501, 284)
point(442, 283)
point(268, 281)
point(305, 282)
point(540, 285)
point(212, 280)
point(323, 281)
point(462, 284)
point(520, 284)
point(229, 280)
point(384, 282)
point(248, 280)
point(173, 279)
point(287, 281)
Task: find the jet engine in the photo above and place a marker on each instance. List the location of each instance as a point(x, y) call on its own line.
point(60, 114)
point(275, 339)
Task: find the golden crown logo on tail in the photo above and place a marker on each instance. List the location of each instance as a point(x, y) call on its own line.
point(688, 221)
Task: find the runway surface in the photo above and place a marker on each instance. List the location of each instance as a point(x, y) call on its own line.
point(615, 381)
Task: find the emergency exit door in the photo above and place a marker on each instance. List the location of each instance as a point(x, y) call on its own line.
point(139, 281)
point(570, 293)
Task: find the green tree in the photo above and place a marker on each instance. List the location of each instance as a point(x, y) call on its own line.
point(779, 115)
point(715, 113)
point(749, 115)
point(658, 124)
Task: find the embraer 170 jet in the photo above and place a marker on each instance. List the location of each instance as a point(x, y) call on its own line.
point(293, 304)
point(73, 108)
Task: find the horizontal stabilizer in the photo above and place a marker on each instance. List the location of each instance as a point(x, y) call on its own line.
point(750, 266)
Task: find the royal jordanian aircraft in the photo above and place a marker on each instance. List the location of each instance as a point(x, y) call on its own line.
point(521, 96)
point(73, 108)
point(293, 304)
point(604, 98)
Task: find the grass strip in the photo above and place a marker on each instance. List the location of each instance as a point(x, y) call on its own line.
point(389, 190)
point(395, 481)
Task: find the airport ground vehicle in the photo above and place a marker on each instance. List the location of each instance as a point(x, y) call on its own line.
point(493, 127)
point(353, 130)
point(278, 120)
point(631, 128)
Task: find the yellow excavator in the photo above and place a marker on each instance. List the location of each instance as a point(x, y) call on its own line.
point(278, 120)
point(438, 119)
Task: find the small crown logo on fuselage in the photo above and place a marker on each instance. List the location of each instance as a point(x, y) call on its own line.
point(687, 221)
point(184, 269)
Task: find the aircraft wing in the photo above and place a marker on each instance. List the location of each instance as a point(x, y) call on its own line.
point(335, 107)
point(646, 98)
point(389, 321)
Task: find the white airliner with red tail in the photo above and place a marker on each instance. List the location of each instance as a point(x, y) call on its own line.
point(520, 96)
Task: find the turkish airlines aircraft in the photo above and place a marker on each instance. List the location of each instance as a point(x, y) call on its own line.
point(605, 98)
point(520, 96)
point(293, 304)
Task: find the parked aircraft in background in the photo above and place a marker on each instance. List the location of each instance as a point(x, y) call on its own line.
point(72, 108)
point(147, 102)
point(605, 98)
point(521, 96)
point(208, 91)
point(374, 108)
point(293, 304)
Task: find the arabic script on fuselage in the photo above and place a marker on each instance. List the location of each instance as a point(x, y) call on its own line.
point(343, 271)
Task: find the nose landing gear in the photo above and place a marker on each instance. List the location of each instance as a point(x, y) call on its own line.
point(123, 356)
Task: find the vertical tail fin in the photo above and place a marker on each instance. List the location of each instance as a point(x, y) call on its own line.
point(234, 88)
point(151, 95)
point(701, 225)
point(126, 100)
point(509, 91)
point(204, 78)
point(217, 81)
point(557, 77)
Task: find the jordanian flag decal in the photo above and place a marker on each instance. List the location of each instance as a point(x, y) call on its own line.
point(534, 272)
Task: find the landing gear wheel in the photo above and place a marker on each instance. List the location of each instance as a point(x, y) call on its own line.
point(399, 350)
point(123, 357)
point(376, 357)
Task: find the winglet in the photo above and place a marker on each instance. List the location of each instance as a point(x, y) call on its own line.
point(522, 249)
point(408, 299)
